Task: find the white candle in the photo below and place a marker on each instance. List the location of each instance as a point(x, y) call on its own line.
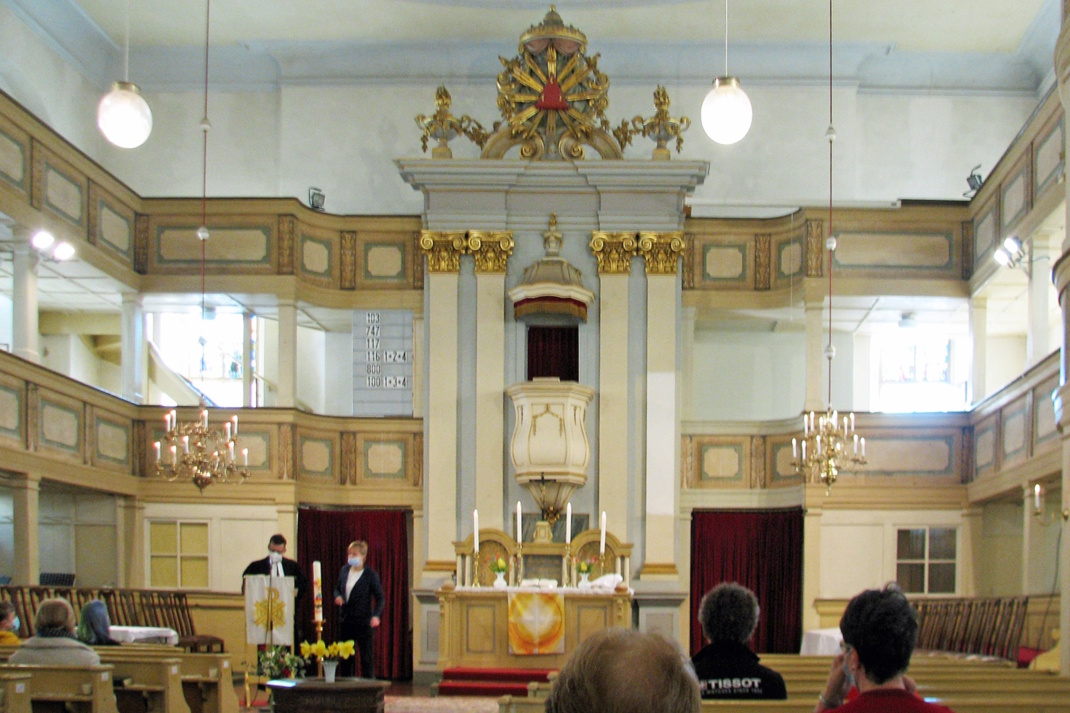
point(568, 523)
point(1036, 497)
point(230, 450)
point(245, 455)
point(227, 429)
point(794, 448)
point(234, 420)
point(862, 443)
point(475, 530)
point(852, 422)
point(185, 444)
point(167, 421)
point(804, 450)
point(806, 426)
point(174, 454)
point(156, 447)
point(602, 540)
point(519, 524)
point(317, 590)
point(856, 443)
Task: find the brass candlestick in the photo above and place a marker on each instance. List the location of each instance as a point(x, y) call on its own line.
point(566, 577)
point(319, 637)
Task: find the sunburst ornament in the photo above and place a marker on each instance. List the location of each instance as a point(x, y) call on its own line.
point(552, 96)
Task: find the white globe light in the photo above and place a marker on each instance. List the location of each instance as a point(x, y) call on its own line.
point(124, 117)
point(726, 111)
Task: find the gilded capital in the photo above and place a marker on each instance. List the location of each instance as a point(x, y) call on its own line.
point(443, 249)
point(815, 244)
point(614, 252)
point(661, 251)
point(490, 249)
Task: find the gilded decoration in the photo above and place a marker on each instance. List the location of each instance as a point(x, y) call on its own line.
point(659, 128)
point(287, 233)
point(967, 249)
point(614, 252)
point(348, 459)
point(443, 127)
point(759, 476)
point(349, 260)
point(689, 261)
point(491, 250)
point(33, 406)
point(762, 261)
point(417, 264)
point(552, 97)
point(286, 453)
point(815, 247)
point(141, 243)
point(443, 249)
point(661, 251)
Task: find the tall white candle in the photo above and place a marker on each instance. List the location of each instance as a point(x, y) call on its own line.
point(156, 447)
point(519, 524)
point(475, 530)
point(227, 429)
point(174, 454)
point(1036, 497)
point(204, 418)
point(185, 444)
point(245, 455)
point(794, 448)
point(317, 590)
point(568, 523)
point(234, 420)
point(602, 540)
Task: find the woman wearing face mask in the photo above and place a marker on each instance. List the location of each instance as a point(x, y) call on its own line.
point(9, 625)
point(359, 617)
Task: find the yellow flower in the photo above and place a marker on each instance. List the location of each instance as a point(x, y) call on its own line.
point(346, 648)
point(319, 649)
point(306, 650)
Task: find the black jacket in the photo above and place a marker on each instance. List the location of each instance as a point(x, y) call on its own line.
point(358, 609)
point(727, 670)
point(289, 569)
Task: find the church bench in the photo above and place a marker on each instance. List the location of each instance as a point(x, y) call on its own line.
point(15, 693)
point(149, 686)
point(76, 689)
point(207, 680)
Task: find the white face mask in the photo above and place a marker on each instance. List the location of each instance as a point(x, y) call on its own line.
point(356, 561)
point(274, 557)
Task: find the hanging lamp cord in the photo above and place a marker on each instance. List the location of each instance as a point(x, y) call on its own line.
point(831, 141)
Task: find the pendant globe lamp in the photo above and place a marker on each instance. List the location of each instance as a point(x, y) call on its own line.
point(726, 110)
point(123, 115)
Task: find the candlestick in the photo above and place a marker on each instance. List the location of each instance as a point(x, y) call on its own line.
point(602, 540)
point(475, 530)
point(519, 524)
point(568, 523)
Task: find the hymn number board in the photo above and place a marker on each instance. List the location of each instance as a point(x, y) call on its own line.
point(382, 363)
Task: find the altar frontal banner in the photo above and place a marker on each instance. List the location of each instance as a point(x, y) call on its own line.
point(536, 623)
point(269, 606)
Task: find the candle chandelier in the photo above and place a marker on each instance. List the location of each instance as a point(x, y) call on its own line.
point(830, 443)
point(196, 451)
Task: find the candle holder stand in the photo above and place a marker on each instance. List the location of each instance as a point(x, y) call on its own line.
point(319, 637)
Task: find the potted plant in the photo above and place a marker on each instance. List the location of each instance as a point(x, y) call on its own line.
point(499, 567)
point(328, 654)
point(278, 662)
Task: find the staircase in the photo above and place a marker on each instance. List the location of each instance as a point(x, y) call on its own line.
point(461, 681)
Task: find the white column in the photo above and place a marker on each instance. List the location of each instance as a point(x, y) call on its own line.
point(286, 397)
point(26, 335)
point(1037, 341)
point(26, 489)
point(490, 404)
point(816, 340)
point(133, 349)
point(613, 400)
point(979, 336)
point(687, 366)
point(661, 438)
point(247, 359)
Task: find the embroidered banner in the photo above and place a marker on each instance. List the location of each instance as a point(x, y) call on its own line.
point(269, 605)
point(536, 623)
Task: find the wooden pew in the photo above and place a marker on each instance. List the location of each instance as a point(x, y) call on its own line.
point(76, 689)
point(149, 686)
point(15, 693)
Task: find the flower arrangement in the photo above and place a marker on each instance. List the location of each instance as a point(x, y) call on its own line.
point(328, 652)
point(497, 566)
point(584, 566)
point(278, 662)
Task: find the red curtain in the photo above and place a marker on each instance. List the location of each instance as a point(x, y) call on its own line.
point(554, 351)
point(762, 550)
point(324, 535)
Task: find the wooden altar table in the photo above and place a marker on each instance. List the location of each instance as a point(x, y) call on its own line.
point(314, 695)
point(474, 630)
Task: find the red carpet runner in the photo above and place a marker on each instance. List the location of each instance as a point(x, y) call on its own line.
point(495, 682)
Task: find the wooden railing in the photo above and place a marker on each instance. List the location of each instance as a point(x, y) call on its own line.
point(982, 626)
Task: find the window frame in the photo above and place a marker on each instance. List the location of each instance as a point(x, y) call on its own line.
point(927, 561)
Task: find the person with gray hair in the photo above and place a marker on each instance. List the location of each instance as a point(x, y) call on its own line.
point(53, 642)
point(625, 671)
point(726, 667)
point(95, 627)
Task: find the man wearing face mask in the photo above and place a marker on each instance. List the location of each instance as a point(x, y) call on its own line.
point(275, 565)
point(359, 617)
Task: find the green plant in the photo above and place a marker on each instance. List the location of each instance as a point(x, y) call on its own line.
point(278, 662)
point(498, 565)
point(584, 566)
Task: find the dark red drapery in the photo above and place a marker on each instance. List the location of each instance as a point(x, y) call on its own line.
point(324, 535)
point(554, 351)
point(762, 550)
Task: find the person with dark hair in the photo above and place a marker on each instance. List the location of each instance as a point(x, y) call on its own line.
point(625, 671)
point(726, 667)
point(278, 566)
point(94, 628)
point(880, 629)
point(54, 644)
point(359, 615)
point(9, 625)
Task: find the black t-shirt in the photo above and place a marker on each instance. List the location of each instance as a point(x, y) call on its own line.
point(727, 670)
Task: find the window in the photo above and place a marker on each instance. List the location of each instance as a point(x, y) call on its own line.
point(178, 554)
point(925, 560)
point(920, 372)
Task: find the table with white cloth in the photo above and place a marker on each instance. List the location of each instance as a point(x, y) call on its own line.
point(821, 642)
point(144, 635)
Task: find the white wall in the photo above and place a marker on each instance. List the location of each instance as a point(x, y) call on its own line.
point(311, 360)
point(338, 357)
point(78, 534)
point(1000, 559)
point(7, 327)
point(1005, 359)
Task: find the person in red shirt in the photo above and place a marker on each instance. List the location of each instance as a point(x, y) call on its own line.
point(880, 629)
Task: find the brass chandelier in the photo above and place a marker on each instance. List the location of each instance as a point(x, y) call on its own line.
point(830, 443)
point(199, 452)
